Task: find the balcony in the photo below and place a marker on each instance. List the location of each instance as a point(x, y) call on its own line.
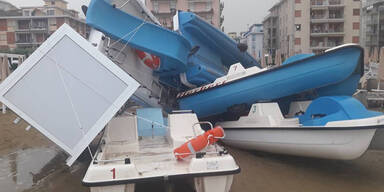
point(27, 42)
point(203, 10)
point(335, 3)
point(221, 6)
point(372, 22)
point(325, 19)
point(324, 45)
point(327, 33)
point(161, 12)
point(371, 43)
point(199, 1)
point(371, 33)
point(39, 27)
point(221, 20)
point(325, 3)
point(28, 28)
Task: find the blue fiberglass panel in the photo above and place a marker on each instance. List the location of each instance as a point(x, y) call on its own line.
point(297, 57)
point(335, 108)
point(172, 48)
point(312, 73)
point(146, 128)
point(346, 87)
point(198, 32)
point(217, 51)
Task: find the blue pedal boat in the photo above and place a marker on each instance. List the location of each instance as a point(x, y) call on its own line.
point(335, 72)
point(195, 55)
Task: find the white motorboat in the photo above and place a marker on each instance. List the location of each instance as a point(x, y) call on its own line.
point(125, 158)
point(341, 129)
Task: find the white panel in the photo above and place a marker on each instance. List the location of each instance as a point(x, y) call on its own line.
point(67, 90)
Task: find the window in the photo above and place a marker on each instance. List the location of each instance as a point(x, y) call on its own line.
point(356, 12)
point(52, 22)
point(297, 41)
point(172, 4)
point(355, 39)
point(208, 6)
point(3, 25)
point(297, 1)
point(298, 13)
point(26, 13)
point(191, 6)
point(253, 37)
point(50, 12)
point(52, 3)
point(356, 25)
point(155, 5)
point(3, 37)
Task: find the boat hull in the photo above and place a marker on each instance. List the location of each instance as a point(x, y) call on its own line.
point(217, 51)
point(314, 73)
point(337, 143)
point(171, 47)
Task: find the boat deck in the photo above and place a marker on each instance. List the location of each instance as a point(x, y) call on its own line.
point(152, 156)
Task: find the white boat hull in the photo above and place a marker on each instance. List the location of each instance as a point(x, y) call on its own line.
point(341, 144)
point(265, 129)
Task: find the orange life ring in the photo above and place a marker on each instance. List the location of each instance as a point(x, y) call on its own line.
point(152, 61)
point(199, 143)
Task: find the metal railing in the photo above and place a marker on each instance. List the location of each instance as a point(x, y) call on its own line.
point(315, 3)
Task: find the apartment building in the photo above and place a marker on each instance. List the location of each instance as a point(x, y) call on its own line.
point(311, 26)
point(29, 27)
point(372, 22)
point(209, 10)
point(254, 39)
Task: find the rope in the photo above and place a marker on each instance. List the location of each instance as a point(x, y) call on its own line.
point(134, 31)
point(124, 4)
point(147, 120)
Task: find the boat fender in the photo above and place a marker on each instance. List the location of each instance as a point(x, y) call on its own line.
point(152, 61)
point(199, 143)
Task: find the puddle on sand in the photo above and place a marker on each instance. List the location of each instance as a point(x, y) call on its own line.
point(24, 169)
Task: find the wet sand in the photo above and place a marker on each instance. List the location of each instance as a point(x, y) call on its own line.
point(29, 162)
point(268, 172)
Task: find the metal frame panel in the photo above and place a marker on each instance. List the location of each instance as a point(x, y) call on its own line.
point(15, 82)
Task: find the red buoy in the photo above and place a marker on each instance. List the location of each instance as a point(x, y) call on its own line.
point(199, 143)
point(152, 61)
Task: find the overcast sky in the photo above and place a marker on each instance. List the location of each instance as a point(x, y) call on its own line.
point(238, 13)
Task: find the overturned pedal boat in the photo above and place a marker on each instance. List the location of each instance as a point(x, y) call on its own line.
point(330, 128)
point(127, 157)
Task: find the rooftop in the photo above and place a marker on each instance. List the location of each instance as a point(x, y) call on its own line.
point(8, 5)
point(56, 0)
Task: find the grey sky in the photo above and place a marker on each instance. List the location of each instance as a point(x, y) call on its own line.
point(238, 13)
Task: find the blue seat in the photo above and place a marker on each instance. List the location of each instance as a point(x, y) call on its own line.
point(336, 108)
point(146, 128)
